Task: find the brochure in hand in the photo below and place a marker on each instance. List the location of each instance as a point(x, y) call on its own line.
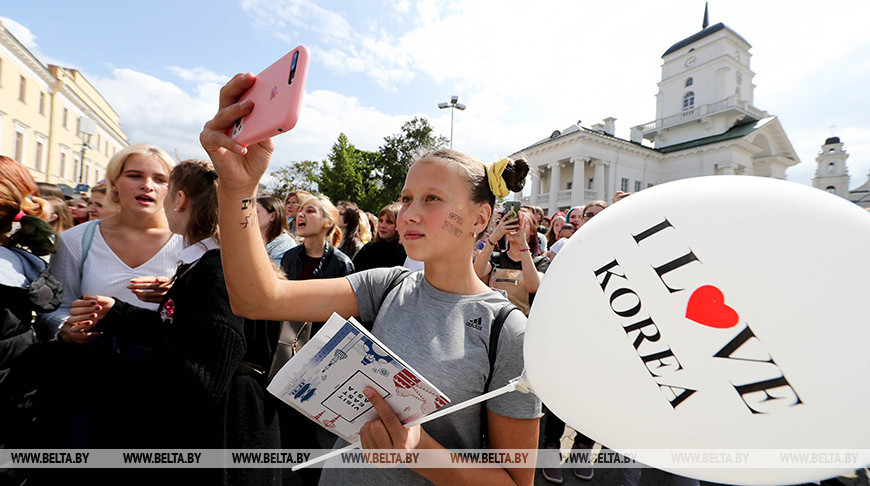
point(326, 378)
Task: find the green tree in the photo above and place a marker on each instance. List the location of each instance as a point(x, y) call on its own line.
point(298, 175)
point(396, 156)
point(346, 174)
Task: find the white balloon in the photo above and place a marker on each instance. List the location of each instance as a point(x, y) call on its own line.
point(669, 318)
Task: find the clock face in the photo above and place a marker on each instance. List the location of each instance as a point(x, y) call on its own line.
point(690, 61)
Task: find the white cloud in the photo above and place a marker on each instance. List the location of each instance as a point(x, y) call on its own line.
point(525, 69)
point(199, 75)
point(159, 111)
point(22, 33)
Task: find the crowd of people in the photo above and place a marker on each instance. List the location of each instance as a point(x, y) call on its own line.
point(153, 312)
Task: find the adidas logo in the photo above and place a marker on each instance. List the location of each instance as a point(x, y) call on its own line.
point(475, 323)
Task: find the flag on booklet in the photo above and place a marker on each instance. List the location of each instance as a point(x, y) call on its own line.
point(326, 378)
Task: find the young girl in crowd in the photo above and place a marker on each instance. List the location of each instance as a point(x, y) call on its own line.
point(97, 207)
point(25, 287)
point(556, 223)
point(349, 222)
point(207, 370)
point(446, 201)
point(516, 271)
point(79, 210)
point(292, 203)
point(316, 256)
point(273, 227)
point(385, 250)
point(102, 257)
point(60, 219)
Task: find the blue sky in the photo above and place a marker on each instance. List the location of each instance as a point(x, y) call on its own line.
point(523, 68)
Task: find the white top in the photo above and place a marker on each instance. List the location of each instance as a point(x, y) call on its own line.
point(195, 251)
point(104, 273)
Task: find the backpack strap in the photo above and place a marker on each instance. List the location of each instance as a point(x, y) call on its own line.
point(392, 286)
point(395, 283)
point(87, 239)
point(494, 333)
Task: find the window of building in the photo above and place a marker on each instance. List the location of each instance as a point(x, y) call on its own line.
point(22, 88)
point(831, 189)
point(87, 177)
point(624, 185)
point(1, 72)
point(19, 146)
point(77, 164)
point(65, 119)
point(638, 186)
point(649, 184)
point(41, 103)
point(591, 184)
point(79, 126)
point(831, 168)
point(570, 183)
point(61, 166)
point(689, 82)
point(689, 101)
point(40, 151)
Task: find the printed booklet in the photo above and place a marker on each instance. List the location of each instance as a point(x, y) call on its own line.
point(326, 378)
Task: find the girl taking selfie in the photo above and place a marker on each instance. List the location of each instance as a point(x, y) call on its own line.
point(447, 200)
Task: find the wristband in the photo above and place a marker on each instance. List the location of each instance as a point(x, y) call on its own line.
point(525, 249)
point(491, 243)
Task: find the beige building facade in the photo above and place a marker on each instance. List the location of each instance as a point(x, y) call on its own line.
point(53, 120)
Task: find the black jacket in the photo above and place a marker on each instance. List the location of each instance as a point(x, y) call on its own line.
point(380, 254)
point(333, 263)
point(42, 294)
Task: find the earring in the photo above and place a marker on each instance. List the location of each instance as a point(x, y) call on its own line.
point(175, 209)
point(475, 233)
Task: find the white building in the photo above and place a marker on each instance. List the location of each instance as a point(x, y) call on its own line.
point(705, 124)
point(832, 174)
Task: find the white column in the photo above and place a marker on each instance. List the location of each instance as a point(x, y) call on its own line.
point(578, 186)
point(535, 173)
point(554, 187)
point(599, 182)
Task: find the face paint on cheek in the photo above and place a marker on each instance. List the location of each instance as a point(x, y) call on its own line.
point(455, 218)
point(450, 228)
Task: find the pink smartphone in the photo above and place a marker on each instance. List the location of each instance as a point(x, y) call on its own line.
point(277, 96)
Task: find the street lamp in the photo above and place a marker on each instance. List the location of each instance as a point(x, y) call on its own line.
point(454, 103)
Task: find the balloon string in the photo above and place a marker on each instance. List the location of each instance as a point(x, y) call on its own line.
point(513, 385)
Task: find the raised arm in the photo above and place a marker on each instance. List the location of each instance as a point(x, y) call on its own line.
point(255, 291)
point(482, 267)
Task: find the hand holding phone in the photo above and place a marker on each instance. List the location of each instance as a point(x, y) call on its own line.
point(512, 209)
point(277, 96)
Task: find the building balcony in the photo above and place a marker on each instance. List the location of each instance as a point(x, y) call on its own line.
point(730, 104)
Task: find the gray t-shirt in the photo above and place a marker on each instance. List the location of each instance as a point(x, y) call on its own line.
point(445, 338)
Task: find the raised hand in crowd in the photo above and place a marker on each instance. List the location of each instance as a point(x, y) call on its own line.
point(238, 167)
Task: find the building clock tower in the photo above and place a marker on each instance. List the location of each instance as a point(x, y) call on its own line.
point(706, 87)
point(831, 172)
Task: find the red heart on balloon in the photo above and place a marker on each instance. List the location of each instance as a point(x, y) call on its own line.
point(707, 307)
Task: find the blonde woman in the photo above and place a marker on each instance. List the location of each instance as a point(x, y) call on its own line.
point(128, 255)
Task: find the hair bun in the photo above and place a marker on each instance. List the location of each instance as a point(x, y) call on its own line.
point(515, 174)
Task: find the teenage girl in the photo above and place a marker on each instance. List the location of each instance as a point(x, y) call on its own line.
point(208, 364)
point(446, 202)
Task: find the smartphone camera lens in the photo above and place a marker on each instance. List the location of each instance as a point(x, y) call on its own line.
point(293, 67)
